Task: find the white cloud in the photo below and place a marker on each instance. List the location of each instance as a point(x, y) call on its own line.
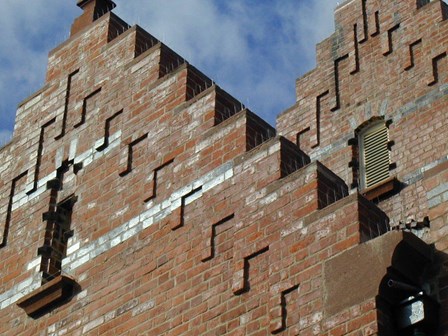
point(5, 136)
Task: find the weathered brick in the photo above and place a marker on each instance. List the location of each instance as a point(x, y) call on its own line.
point(193, 217)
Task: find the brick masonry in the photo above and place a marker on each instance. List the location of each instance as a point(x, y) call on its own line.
point(193, 216)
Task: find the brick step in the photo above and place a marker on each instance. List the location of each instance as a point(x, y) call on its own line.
point(302, 252)
point(143, 41)
point(240, 133)
point(223, 107)
point(169, 61)
point(159, 64)
point(226, 106)
point(140, 40)
point(276, 207)
point(170, 84)
point(261, 171)
point(116, 26)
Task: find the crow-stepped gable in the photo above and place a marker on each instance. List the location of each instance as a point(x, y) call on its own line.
point(139, 198)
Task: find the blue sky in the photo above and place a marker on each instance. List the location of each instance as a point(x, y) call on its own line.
point(254, 49)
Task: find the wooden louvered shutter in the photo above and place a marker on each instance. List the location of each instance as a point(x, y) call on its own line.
point(375, 158)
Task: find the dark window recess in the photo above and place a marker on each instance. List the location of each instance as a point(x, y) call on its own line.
point(56, 289)
point(421, 3)
point(56, 237)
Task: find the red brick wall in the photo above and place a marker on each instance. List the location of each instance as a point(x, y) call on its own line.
point(386, 59)
point(192, 216)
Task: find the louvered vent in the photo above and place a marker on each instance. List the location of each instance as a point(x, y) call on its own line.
point(376, 159)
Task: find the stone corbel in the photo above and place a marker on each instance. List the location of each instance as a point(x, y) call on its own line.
point(49, 296)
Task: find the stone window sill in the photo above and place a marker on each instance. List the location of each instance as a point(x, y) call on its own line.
point(381, 189)
point(49, 296)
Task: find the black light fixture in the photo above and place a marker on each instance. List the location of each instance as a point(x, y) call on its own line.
point(418, 314)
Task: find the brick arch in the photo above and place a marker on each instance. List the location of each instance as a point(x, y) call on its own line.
point(407, 276)
point(368, 123)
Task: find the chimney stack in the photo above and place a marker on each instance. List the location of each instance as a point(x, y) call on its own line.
point(93, 10)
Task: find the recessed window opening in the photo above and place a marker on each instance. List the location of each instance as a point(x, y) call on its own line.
point(374, 155)
point(421, 3)
point(59, 234)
